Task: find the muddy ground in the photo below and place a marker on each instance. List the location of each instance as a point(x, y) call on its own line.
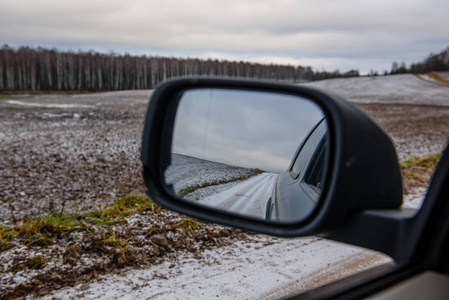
point(83, 156)
point(70, 159)
point(75, 153)
point(416, 130)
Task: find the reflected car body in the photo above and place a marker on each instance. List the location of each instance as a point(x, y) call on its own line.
point(298, 189)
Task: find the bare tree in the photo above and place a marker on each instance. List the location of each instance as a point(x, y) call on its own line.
point(49, 69)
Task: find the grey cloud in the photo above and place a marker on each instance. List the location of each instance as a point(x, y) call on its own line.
point(351, 31)
point(242, 128)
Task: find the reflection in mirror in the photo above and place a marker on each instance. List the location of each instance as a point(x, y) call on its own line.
point(252, 153)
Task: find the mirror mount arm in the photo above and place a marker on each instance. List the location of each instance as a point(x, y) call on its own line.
point(387, 231)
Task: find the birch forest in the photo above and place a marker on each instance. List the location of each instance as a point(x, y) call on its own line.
point(40, 69)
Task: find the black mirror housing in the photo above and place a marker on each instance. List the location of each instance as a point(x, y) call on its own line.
point(363, 170)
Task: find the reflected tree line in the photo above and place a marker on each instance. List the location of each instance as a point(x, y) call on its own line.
point(29, 69)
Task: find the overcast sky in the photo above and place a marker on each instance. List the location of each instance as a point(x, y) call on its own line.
point(243, 128)
point(327, 35)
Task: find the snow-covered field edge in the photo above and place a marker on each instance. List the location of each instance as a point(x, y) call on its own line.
point(261, 267)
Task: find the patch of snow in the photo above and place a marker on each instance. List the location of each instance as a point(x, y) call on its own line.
point(392, 89)
point(260, 268)
point(186, 171)
point(415, 199)
point(263, 267)
point(247, 198)
point(46, 115)
point(210, 191)
point(426, 77)
point(125, 95)
point(50, 105)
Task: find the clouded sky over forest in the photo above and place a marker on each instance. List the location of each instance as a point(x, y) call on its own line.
point(332, 35)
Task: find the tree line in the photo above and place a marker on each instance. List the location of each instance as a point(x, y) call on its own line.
point(40, 69)
point(433, 63)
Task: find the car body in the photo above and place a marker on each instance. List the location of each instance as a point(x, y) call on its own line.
point(298, 189)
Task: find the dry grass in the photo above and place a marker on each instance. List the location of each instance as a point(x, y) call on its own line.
point(110, 241)
point(436, 78)
point(69, 249)
point(418, 171)
point(46, 229)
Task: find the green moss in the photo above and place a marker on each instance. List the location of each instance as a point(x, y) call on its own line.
point(117, 247)
point(154, 230)
point(44, 230)
point(189, 224)
point(36, 262)
point(427, 162)
point(418, 170)
point(122, 208)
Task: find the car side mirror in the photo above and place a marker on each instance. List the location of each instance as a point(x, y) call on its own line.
point(273, 158)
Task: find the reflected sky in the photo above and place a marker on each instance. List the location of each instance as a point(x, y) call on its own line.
point(243, 128)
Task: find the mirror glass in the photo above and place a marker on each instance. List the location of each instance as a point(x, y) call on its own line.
point(253, 153)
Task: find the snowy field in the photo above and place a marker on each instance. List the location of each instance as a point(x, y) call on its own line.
point(69, 152)
point(185, 171)
point(259, 268)
point(414, 112)
point(105, 130)
point(247, 197)
point(393, 89)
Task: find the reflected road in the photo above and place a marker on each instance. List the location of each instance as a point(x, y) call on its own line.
point(248, 197)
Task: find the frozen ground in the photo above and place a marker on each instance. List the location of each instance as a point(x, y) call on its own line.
point(69, 153)
point(86, 156)
point(248, 196)
point(185, 171)
point(261, 267)
point(414, 112)
point(393, 89)
point(443, 75)
point(258, 268)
